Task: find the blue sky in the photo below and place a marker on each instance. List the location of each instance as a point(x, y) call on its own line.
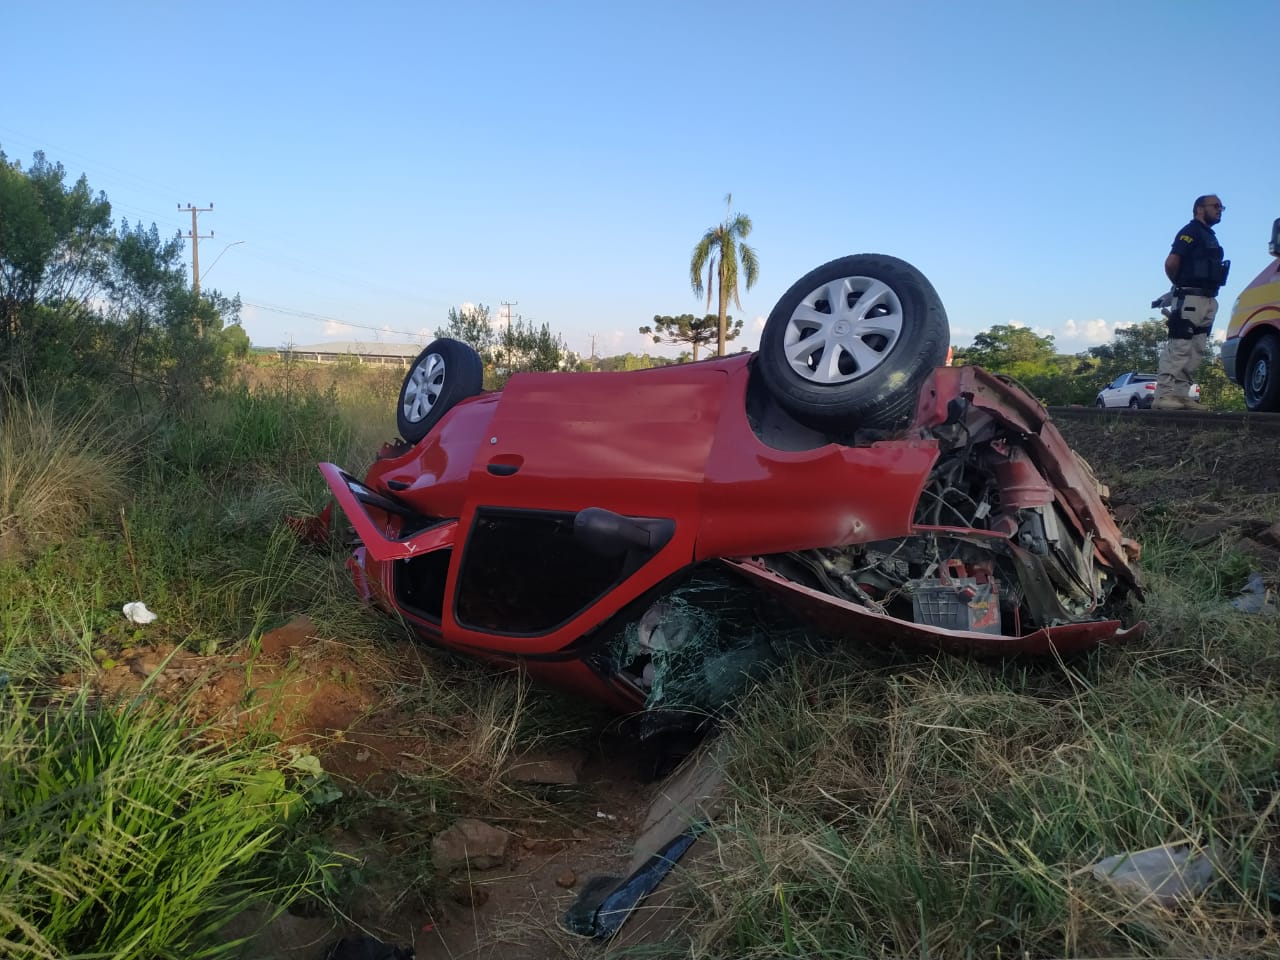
point(377, 163)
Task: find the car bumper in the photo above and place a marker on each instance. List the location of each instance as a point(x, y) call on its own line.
point(1228, 352)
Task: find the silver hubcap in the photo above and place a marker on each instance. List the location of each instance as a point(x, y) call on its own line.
point(1259, 379)
point(422, 390)
point(843, 330)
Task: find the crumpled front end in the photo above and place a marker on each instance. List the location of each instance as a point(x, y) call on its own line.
point(1012, 548)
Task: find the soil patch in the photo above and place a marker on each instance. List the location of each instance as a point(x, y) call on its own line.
point(1144, 459)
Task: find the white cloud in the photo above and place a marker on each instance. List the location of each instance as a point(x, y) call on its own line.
point(1092, 332)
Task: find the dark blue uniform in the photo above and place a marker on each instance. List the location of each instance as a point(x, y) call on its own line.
point(1200, 271)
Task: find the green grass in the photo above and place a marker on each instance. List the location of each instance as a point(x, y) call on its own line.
point(124, 834)
point(881, 806)
point(946, 810)
point(951, 809)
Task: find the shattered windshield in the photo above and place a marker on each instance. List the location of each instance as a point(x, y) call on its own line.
point(698, 645)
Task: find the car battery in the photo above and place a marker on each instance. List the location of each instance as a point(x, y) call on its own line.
point(956, 602)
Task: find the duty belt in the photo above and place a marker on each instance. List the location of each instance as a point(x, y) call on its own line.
point(1194, 292)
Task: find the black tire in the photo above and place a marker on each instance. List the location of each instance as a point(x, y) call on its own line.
point(446, 372)
point(1134, 403)
point(884, 350)
point(1261, 378)
point(1100, 404)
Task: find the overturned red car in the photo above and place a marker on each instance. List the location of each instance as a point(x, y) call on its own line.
point(650, 538)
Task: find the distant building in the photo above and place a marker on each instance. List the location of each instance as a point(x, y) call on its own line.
point(339, 351)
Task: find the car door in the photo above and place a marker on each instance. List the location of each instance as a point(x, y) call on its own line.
point(630, 448)
point(1108, 393)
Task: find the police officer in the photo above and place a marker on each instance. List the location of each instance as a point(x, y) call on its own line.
point(1197, 270)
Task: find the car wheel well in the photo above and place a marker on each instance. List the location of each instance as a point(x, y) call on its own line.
point(1249, 341)
point(772, 424)
point(1268, 398)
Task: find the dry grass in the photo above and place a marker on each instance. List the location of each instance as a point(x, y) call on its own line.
point(55, 472)
point(951, 809)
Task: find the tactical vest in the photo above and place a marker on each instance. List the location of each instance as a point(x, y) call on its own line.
point(1202, 267)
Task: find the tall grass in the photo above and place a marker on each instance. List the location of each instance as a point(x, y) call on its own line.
point(952, 809)
point(123, 832)
point(56, 472)
point(948, 811)
point(190, 517)
point(124, 835)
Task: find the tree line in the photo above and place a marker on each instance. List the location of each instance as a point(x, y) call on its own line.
point(1064, 379)
point(84, 297)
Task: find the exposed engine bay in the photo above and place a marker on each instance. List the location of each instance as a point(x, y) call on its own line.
point(998, 551)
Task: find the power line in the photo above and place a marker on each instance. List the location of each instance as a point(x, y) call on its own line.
point(324, 319)
point(132, 183)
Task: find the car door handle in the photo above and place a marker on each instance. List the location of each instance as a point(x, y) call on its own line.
point(505, 464)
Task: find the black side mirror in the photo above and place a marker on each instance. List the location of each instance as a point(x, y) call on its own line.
point(608, 534)
point(1274, 246)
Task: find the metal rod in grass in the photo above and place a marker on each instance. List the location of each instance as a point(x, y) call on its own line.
point(128, 547)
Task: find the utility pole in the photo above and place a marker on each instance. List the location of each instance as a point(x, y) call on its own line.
point(509, 304)
point(196, 237)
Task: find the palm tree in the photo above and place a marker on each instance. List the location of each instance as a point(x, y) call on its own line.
point(719, 251)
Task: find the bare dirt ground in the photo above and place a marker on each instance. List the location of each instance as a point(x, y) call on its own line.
point(321, 696)
point(1141, 458)
point(1211, 483)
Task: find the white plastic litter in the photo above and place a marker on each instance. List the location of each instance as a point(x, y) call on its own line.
point(137, 612)
point(1166, 874)
point(1256, 598)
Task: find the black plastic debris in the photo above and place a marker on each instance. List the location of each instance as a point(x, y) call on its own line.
point(606, 902)
point(367, 948)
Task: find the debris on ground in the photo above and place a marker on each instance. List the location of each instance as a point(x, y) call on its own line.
point(1255, 597)
point(679, 812)
point(606, 902)
point(471, 843)
point(1165, 874)
point(137, 612)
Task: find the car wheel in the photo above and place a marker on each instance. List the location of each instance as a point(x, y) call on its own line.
point(1134, 403)
point(444, 373)
point(1262, 376)
point(852, 341)
point(1100, 404)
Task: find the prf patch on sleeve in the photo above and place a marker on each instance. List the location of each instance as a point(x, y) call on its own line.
point(1186, 238)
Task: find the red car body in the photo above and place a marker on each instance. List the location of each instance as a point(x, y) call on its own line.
point(470, 533)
